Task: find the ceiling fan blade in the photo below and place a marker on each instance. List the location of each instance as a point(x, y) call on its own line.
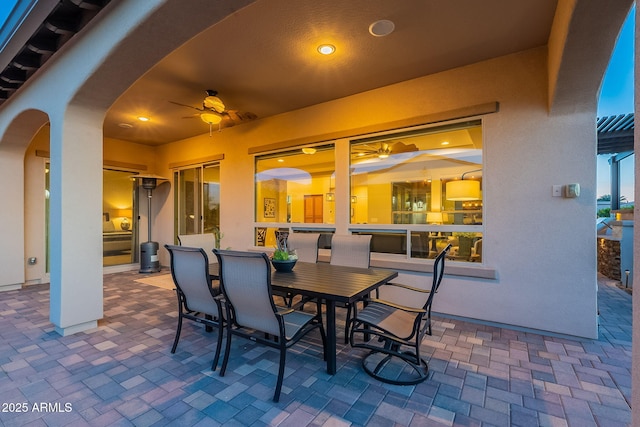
point(401, 147)
point(185, 105)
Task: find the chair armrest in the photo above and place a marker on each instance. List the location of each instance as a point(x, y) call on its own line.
point(283, 311)
point(410, 288)
point(398, 306)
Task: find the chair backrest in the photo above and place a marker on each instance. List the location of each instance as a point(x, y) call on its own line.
point(438, 273)
point(305, 245)
point(352, 250)
point(190, 272)
point(206, 241)
point(245, 280)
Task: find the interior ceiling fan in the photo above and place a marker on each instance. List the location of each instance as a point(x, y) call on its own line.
point(214, 112)
point(383, 150)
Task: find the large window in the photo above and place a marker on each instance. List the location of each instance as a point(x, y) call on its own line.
point(414, 191)
point(296, 186)
point(427, 180)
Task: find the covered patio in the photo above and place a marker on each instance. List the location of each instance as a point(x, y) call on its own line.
point(122, 372)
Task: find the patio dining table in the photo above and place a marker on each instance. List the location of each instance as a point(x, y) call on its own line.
point(332, 284)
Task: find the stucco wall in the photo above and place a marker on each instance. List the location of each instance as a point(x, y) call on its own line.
point(542, 247)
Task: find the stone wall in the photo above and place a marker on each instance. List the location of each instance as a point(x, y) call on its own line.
point(609, 258)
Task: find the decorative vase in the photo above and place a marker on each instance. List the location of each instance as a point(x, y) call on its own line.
point(283, 266)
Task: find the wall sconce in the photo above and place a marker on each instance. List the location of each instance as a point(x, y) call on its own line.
point(330, 197)
point(461, 190)
point(354, 199)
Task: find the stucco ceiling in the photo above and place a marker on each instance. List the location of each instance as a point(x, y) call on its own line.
point(263, 59)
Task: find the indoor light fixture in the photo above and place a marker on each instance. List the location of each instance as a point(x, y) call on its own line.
point(326, 49)
point(211, 119)
point(309, 150)
point(143, 118)
point(461, 190)
point(434, 218)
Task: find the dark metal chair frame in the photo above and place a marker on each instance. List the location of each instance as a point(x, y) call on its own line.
point(303, 322)
point(208, 319)
point(375, 320)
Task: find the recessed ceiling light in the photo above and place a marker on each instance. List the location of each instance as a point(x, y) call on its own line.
point(444, 143)
point(143, 118)
point(125, 125)
point(381, 28)
point(280, 160)
point(326, 49)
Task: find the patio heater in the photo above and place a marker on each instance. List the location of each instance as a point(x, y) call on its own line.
point(149, 262)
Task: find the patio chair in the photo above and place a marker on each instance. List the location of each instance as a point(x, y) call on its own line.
point(306, 248)
point(196, 296)
point(245, 281)
point(206, 241)
point(394, 326)
point(305, 245)
point(351, 250)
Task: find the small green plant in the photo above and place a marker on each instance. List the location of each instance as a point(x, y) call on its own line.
point(280, 255)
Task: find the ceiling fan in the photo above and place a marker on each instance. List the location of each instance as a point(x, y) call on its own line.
point(214, 112)
point(383, 150)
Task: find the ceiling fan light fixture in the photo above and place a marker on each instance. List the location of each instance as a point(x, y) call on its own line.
point(211, 118)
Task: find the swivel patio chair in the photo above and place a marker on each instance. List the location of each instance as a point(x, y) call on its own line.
point(245, 281)
point(395, 326)
point(196, 296)
point(351, 250)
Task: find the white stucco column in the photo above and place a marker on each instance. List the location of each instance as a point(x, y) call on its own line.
point(12, 218)
point(76, 215)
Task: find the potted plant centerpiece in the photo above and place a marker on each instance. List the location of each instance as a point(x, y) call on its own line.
point(282, 259)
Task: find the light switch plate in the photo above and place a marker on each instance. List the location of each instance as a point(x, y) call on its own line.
point(557, 191)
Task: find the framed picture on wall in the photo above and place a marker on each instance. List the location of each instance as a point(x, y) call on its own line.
point(269, 207)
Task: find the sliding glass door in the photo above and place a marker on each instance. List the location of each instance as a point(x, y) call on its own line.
point(197, 199)
point(119, 215)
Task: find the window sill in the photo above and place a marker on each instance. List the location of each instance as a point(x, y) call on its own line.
point(454, 268)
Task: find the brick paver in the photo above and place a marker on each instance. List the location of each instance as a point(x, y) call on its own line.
point(122, 372)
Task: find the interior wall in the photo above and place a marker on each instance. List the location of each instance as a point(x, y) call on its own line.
point(527, 150)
